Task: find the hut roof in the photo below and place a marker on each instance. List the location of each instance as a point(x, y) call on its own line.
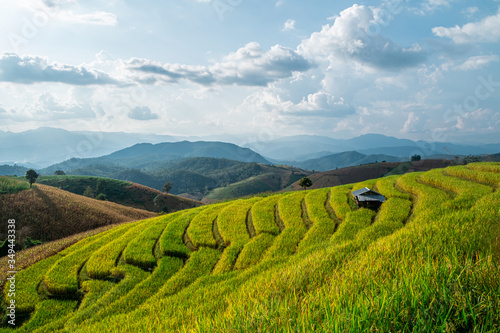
point(366, 194)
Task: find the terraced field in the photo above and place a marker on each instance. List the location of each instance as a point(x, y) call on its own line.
point(426, 260)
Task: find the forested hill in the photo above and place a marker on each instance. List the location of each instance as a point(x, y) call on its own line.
point(145, 155)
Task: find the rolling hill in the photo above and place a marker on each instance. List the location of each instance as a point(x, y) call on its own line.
point(197, 177)
point(344, 159)
point(121, 192)
point(46, 213)
point(145, 155)
point(427, 260)
point(369, 171)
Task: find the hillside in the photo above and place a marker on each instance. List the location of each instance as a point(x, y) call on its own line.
point(197, 177)
point(46, 213)
point(121, 192)
point(369, 171)
point(145, 155)
point(427, 260)
point(271, 179)
point(344, 159)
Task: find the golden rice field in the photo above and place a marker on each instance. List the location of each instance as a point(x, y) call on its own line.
point(309, 261)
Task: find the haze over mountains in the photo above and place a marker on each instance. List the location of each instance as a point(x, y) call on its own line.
point(46, 146)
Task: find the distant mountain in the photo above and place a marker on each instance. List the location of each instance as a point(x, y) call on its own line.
point(12, 170)
point(154, 156)
point(342, 160)
point(142, 154)
point(45, 146)
point(302, 147)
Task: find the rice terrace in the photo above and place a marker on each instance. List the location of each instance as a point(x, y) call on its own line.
point(427, 260)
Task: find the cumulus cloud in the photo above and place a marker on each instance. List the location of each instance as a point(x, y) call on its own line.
point(142, 113)
point(289, 25)
point(320, 104)
point(248, 66)
point(351, 37)
point(47, 107)
point(476, 62)
point(484, 31)
point(34, 69)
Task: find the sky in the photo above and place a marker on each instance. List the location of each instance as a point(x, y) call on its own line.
point(253, 69)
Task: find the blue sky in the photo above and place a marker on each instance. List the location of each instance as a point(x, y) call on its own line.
point(423, 70)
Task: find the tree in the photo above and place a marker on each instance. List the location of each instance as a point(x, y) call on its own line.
point(59, 173)
point(167, 187)
point(89, 192)
point(31, 176)
point(305, 182)
point(416, 158)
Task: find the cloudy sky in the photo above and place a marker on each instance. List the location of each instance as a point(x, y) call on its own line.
point(258, 69)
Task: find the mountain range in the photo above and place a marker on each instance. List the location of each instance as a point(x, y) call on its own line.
point(45, 146)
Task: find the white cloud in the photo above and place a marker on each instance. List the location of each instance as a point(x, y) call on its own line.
point(248, 66)
point(486, 30)
point(47, 107)
point(470, 11)
point(97, 18)
point(33, 69)
point(412, 123)
point(431, 5)
point(142, 113)
point(289, 25)
point(350, 38)
point(476, 62)
point(56, 10)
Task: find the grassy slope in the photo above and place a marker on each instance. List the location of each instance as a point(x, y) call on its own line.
point(426, 261)
point(120, 192)
point(274, 179)
point(369, 171)
point(46, 213)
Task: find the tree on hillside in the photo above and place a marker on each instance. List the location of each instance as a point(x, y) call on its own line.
point(31, 176)
point(167, 187)
point(59, 173)
point(415, 158)
point(305, 182)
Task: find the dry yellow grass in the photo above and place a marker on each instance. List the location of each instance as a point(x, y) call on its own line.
point(46, 213)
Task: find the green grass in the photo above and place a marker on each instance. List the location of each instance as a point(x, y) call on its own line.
point(62, 278)
point(475, 175)
point(167, 267)
point(254, 250)
point(199, 264)
point(131, 276)
point(48, 311)
point(140, 250)
point(27, 282)
point(290, 213)
point(10, 185)
point(323, 225)
point(426, 261)
point(102, 261)
point(233, 229)
point(171, 242)
point(353, 224)
point(200, 228)
point(339, 200)
point(263, 216)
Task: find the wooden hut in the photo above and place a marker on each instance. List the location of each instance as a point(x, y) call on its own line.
point(368, 198)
